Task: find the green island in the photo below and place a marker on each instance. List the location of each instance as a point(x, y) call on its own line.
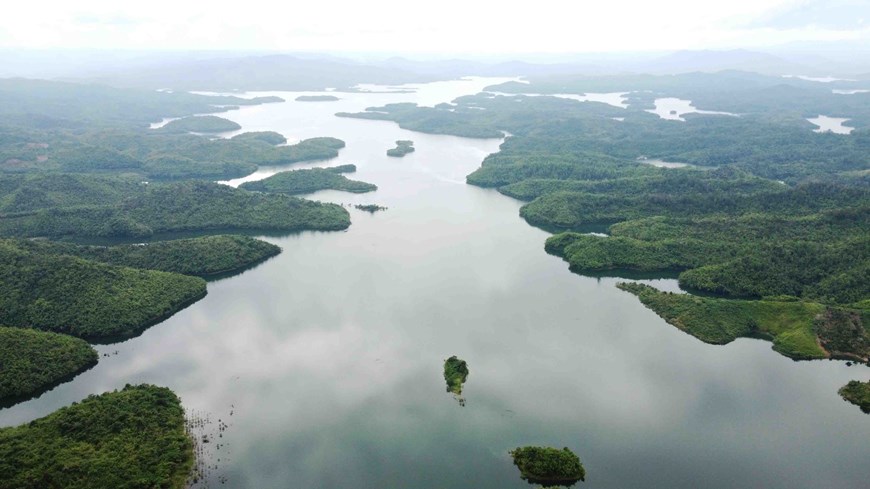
point(296, 182)
point(269, 137)
point(91, 300)
point(858, 393)
point(455, 374)
point(317, 98)
point(202, 256)
point(35, 361)
point(130, 438)
point(202, 124)
point(548, 466)
point(372, 208)
point(402, 148)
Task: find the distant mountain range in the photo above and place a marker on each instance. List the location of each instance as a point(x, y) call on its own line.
point(226, 71)
point(712, 61)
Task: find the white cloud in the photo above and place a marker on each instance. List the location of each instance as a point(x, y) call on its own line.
point(390, 25)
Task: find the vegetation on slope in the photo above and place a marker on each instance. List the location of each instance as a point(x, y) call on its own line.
point(82, 298)
point(402, 148)
point(203, 123)
point(858, 393)
point(298, 182)
point(132, 438)
point(822, 257)
point(25, 193)
point(548, 466)
point(153, 154)
point(183, 206)
point(798, 329)
point(33, 361)
point(201, 256)
point(567, 210)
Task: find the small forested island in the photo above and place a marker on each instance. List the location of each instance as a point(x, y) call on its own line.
point(297, 182)
point(270, 137)
point(402, 148)
point(202, 256)
point(317, 98)
point(204, 124)
point(372, 208)
point(130, 438)
point(33, 361)
point(455, 374)
point(548, 466)
point(858, 393)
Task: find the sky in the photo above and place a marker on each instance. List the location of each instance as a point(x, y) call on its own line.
point(442, 26)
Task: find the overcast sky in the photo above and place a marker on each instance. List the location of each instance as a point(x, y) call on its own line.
point(441, 26)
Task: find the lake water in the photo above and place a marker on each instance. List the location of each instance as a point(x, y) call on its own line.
point(832, 124)
point(326, 361)
point(674, 109)
point(662, 163)
point(819, 79)
point(850, 92)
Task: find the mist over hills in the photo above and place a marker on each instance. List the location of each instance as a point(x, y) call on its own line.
point(230, 71)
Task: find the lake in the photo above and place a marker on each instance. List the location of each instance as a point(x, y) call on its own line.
point(674, 109)
point(835, 125)
point(325, 362)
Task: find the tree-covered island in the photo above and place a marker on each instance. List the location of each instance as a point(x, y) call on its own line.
point(297, 182)
point(402, 148)
point(547, 466)
point(455, 375)
point(317, 98)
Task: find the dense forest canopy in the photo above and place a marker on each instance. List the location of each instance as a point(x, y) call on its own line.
point(66, 294)
point(132, 438)
point(202, 256)
point(297, 182)
point(33, 361)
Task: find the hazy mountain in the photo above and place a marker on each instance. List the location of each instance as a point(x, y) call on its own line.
point(463, 67)
point(269, 72)
point(738, 59)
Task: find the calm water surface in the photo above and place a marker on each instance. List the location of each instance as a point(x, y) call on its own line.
point(330, 355)
point(835, 125)
point(674, 109)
